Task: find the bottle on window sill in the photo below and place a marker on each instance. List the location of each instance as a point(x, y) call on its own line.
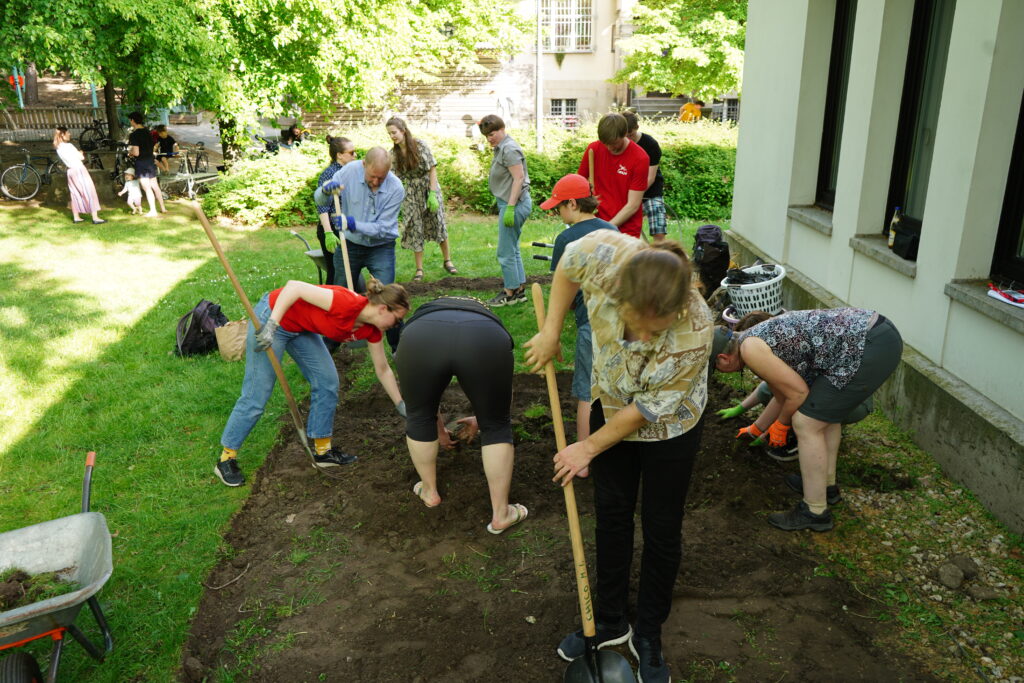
point(897, 217)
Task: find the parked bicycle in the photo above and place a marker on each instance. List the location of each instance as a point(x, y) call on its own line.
point(121, 162)
point(23, 181)
point(93, 136)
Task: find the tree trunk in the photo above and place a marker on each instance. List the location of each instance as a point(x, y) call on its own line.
point(31, 84)
point(110, 106)
point(231, 150)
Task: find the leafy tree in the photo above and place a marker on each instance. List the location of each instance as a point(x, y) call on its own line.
point(685, 46)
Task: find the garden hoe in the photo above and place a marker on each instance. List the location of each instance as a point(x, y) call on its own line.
point(293, 407)
point(595, 665)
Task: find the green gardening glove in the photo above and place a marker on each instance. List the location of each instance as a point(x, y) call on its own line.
point(730, 413)
point(509, 217)
point(432, 202)
point(331, 241)
point(759, 441)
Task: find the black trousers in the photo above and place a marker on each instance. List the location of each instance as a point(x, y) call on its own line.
point(663, 470)
point(454, 343)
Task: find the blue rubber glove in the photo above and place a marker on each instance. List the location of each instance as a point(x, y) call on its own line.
point(330, 241)
point(331, 185)
point(432, 202)
point(338, 223)
point(351, 223)
point(509, 217)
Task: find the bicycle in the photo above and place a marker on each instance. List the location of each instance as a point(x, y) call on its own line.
point(93, 136)
point(121, 162)
point(22, 182)
point(198, 163)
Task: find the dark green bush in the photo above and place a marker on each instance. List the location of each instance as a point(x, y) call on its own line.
point(698, 162)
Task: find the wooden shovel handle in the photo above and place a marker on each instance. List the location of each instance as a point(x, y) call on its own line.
point(344, 244)
point(575, 534)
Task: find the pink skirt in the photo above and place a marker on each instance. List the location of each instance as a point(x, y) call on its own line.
point(83, 192)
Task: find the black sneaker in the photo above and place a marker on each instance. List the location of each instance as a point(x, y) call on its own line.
point(651, 665)
point(574, 646)
point(787, 453)
point(333, 458)
point(801, 517)
point(518, 294)
point(796, 482)
point(503, 298)
point(229, 472)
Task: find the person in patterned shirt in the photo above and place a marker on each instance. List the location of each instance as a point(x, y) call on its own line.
point(820, 365)
point(652, 340)
point(341, 151)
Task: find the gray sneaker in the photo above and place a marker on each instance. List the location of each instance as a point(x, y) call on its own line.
point(229, 472)
point(651, 666)
point(574, 646)
point(801, 517)
point(334, 458)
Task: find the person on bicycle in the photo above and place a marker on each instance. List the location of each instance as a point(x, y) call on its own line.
point(165, 148)
point(140, 147)
point(80, 186)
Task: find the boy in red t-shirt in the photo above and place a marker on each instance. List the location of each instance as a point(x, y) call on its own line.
point(619, 174)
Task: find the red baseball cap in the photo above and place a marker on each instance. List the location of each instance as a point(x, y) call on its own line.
point(572, 186)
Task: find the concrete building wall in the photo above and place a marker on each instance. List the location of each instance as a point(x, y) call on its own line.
point(937, 302)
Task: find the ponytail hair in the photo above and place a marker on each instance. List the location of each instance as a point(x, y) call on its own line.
point(58, 135)
point(393, 296)
point(657, 280)
point(336, 146)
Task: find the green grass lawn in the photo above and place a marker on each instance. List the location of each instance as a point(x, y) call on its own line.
point(87, 317)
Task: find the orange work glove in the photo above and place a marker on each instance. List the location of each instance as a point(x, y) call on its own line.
point(778, 434)
point(751, 432)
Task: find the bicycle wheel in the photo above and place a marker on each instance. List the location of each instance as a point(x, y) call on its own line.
point(201, 165)
point(20, 182)
point(95, 161)
point(90, 138)
point(117, 177)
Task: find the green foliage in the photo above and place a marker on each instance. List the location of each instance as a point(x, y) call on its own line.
point(685, 46)
point(698, 161)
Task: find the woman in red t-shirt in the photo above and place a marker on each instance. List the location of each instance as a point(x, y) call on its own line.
point(294, 317)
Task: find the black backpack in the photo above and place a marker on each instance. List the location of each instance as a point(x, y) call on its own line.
point(195, 329)
point(711, 256)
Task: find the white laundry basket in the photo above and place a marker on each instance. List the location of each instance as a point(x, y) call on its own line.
point(759, 296)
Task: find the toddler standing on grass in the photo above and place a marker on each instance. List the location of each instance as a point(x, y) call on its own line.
point(131, 186)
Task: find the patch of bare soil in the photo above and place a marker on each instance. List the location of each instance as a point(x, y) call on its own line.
point(355, 580)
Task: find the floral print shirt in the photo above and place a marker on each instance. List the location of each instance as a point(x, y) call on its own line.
point(666, 377)
point(828, 342)
point(326, 175)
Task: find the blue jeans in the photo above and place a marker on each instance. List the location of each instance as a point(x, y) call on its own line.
point(509, 258)
point(316, 365)
point(379, 261)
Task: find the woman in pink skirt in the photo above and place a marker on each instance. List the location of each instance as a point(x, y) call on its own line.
point(80, 185)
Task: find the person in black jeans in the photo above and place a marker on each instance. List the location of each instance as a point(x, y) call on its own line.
point(652, 337)
point(459, 337)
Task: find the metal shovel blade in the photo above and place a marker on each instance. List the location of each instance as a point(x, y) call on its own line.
point(601, 666)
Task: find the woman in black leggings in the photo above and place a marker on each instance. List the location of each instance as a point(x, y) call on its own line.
point(459, 337)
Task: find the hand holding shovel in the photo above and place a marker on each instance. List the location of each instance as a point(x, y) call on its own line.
point(344, 242)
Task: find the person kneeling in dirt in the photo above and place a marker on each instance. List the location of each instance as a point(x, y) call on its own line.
point(460, 337)
point(652, 339)
point(821, 365)
point(293, 318)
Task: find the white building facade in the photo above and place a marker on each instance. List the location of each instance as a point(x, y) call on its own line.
point(855, 107)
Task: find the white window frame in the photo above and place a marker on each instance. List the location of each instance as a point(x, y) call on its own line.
point(567, 25)
point(564, 110)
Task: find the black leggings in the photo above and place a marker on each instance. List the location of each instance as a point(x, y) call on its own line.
point(466, 345)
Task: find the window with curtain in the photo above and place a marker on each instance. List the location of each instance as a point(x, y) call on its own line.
point(835, 102)
point(1008, 260)
point(919, 110)
point(567, 25)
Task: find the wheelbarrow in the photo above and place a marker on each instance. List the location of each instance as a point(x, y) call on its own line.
point(78, 549)
point(316, 256)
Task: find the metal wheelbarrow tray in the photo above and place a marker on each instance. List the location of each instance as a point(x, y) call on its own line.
point(78, 547)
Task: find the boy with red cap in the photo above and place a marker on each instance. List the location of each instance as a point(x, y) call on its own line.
point(576, 207)
point(620, 168)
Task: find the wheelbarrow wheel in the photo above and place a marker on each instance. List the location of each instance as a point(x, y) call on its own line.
point(19, 667)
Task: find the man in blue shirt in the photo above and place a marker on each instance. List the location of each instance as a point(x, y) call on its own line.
point(371, 196)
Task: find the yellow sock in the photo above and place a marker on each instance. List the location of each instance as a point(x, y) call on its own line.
point(228, 454)
point(322, 445)
point(816, 508)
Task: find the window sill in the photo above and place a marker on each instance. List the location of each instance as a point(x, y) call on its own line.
point(813, 217)
point(974, 295)
point(875, 247)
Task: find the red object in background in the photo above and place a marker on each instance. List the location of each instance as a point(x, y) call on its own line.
point(21, 81)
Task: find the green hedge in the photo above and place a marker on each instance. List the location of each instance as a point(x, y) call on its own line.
point(698, 162)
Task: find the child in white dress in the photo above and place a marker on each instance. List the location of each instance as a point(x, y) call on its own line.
point(131, 186)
